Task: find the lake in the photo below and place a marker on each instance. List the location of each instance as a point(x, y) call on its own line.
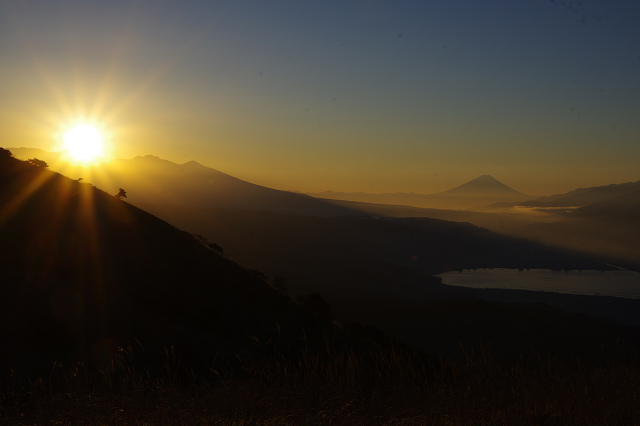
point(620, 283)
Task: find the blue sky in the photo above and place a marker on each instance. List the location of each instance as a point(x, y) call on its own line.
point(376, 96)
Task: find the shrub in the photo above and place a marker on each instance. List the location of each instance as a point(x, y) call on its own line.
point(38, 163)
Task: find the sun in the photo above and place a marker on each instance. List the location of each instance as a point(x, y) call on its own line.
point(84, 143)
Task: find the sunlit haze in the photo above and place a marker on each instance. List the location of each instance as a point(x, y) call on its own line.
point(369, 96)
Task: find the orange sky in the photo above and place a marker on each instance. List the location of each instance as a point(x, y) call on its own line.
point(346, 97)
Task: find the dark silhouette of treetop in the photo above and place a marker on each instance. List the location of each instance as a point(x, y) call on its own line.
point(5, 153)
point(121, 194)
point(203, 240)
point(37, 162)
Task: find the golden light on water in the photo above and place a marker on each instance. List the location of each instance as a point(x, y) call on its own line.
point(84, 143)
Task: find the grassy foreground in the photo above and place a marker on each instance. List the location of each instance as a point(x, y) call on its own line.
point(390, 387)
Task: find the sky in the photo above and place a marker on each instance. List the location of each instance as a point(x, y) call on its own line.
point(371, 96)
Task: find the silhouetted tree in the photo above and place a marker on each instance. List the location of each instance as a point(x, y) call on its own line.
point(5, 153)
point(121, 194)
point(258, 273)
point(203, 240)
point(37, 162)
point(215, 247)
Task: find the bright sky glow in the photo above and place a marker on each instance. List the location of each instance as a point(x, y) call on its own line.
point(372, 96)
point(84, 143)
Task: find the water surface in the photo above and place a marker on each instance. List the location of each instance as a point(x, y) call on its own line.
point(620, 283)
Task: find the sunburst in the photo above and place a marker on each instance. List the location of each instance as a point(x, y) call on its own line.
point(84, 143)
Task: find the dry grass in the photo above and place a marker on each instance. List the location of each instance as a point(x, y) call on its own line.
point(391, 387)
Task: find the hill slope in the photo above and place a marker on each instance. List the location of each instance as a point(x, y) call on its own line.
point(608, 228)
point(82, 272)
point(623, 208)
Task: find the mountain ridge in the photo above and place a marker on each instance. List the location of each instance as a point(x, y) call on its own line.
point(584, 196)
point(150, 179)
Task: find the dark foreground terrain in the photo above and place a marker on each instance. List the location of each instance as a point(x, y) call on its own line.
point(390, 387)
point(111, 316)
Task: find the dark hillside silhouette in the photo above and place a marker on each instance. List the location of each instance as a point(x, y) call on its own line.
point(82, 273)
point(622, 209)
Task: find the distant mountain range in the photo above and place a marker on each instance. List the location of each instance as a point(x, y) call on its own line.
point(584, 196)
point(150, 179)
point(481, 191)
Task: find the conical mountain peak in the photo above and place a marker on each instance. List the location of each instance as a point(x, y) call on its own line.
point(487, 178)
point(485, 185)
